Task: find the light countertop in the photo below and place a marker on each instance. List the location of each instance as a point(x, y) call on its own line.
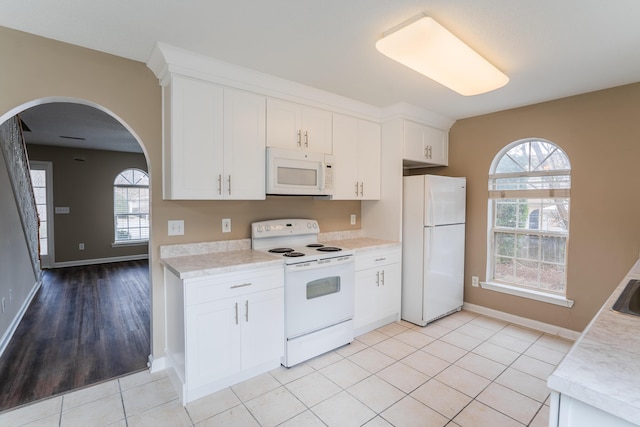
point(206, 258)
point(602, 369)
point(360, 244)
point(189, 266)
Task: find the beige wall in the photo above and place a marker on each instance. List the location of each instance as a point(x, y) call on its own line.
point(34, 68)
point(600, 133)
point(87, 189)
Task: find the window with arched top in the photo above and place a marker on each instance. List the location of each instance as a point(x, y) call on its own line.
point(131, 206)
point(529, 186)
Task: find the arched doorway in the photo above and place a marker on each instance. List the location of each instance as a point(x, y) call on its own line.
point(100, 152)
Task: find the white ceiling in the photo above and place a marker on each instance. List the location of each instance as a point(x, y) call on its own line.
point(549, 48)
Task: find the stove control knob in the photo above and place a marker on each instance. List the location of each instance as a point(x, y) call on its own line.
point(259, 228)
point(315, 225)
point(308, 225)
point(267, 227)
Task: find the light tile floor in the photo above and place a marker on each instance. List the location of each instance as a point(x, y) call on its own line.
point(463, 370)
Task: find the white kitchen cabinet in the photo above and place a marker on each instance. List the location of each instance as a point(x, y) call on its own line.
point(424, 146)
point(377, 289)
point(571, 412)
point(296, 126)
point(356, 159)
point(213, 142)
point(223, 329)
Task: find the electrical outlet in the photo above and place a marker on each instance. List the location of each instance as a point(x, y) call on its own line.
point(81, 246)
point(176, 227)
point(226, 225)
point(353, 219)
point(475, 281)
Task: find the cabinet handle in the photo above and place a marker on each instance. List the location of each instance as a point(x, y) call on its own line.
point(306, 138)
point(356, 188)
point(240, 286)
point(236, 313)
point(382, 274)
point(377, 278)
point(362, 189)
point(229, 181)
point(246, 310)
point(299, 138)
point(379, 259)
point(220, 185)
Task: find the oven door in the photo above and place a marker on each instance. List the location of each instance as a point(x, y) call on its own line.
point(318, 294)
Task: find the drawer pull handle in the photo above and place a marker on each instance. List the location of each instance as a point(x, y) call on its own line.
point(380, 259)
point(240, 286)
point(246, 311)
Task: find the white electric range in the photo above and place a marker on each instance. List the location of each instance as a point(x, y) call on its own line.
point(319, 287)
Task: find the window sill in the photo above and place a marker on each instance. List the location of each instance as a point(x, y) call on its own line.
point(130, 243)
point(528, 293)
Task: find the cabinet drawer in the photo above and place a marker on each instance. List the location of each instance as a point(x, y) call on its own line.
point(229, 285)
point(373, 259)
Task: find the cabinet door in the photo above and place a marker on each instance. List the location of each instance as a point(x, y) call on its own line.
point(345, 158)
point(262, 327)
point(436, 145)
point(369, 160)
point(389, 295)
point(366, 296)
point(413, 144)
point(244, 145)
point(212, 341)
point(193, 153)
point(284, 122)
point(316, 130)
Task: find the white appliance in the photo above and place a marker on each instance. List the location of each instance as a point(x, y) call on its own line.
point(318, 287)
point(297, 172)
point(433, 228)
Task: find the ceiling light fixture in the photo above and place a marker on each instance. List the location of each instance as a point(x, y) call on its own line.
point(425, 46)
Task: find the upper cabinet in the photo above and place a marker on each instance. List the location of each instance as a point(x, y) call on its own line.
point(356, 159)
point(214, 142)
point(424, 146)
point(296, 126)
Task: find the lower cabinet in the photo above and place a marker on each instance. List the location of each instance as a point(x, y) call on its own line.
point(569, 412)
point(223, 329)
point(377, 289)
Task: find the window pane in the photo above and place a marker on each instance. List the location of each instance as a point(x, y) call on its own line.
point(38, 178)
point(528, 247)
point(527, 272)
point(505, 244)
point(504, 269)
point(512, 213)
point(552, 277)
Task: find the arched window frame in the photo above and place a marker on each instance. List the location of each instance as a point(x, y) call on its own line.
point(527, 250)
point(131, 207)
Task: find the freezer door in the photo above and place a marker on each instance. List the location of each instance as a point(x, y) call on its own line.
point(444, 200)
point(443, 271)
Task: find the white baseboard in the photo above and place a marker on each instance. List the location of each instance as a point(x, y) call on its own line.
point(6, 338)
point(157, 365)
point(93, 261)
point(523, 321)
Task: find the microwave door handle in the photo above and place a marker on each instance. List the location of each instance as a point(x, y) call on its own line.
point(323, 167)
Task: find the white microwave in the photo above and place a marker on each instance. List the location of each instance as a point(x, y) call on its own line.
point(297, 172)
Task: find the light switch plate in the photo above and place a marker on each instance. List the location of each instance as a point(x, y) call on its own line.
point(62, 210)
point(176, 227)
point(353, 219)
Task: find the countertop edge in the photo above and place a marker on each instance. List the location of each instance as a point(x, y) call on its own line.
point(582, 374)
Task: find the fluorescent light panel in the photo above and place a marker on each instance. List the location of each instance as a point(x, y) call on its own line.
point(430, 49)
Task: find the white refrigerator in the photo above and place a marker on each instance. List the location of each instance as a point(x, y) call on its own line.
point(433, 225)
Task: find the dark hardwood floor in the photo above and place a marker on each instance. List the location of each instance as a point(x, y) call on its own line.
point(85, 325)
